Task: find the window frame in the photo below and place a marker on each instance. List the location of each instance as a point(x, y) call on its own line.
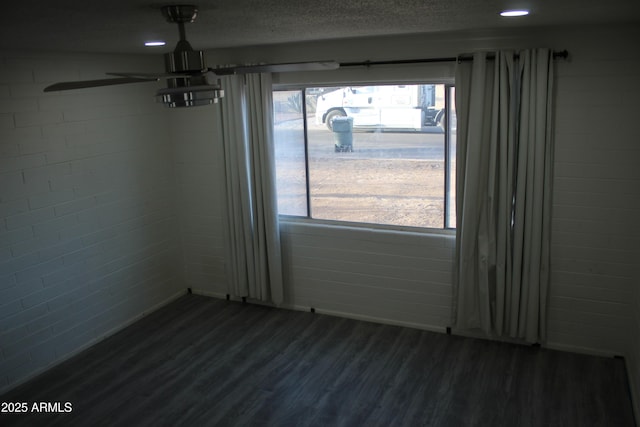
point(446, 229)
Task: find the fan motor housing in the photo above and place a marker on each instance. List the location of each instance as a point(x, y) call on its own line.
point(180, 61)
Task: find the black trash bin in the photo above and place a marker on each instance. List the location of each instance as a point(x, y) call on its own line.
point(343, 133)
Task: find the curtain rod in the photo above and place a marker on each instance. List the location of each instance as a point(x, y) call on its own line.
point(563, 54)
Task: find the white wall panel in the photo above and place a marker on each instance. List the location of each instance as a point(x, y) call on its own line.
point(383, 275)
point(88, 231)
point(198, 155)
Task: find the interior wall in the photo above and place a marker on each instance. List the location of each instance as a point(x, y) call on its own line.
point(401, 278)
point(596, 177)
point(199, 164)
point(88, 231)
point(596, 193)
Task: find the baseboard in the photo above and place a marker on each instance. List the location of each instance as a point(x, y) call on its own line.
point(580, 350)
point(203, 293)
point(93, 342)
point(365, 318)
point(375, 319)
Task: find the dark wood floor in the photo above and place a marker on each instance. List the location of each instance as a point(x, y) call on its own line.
point(208, 362)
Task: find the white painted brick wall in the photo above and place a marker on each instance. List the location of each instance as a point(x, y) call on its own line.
point(200, 175)
point(88, 233)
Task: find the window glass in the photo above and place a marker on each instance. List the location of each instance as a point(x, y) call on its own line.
point(289, 136)
point(367, 154)
point(452, 134)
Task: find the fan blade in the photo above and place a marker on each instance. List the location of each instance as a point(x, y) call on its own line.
point(154, 76)
point(96, 83)
point(277, 68)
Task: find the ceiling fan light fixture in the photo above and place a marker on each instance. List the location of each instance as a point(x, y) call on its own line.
point(189, 96)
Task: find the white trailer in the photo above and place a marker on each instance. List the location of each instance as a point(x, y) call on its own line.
point(409, 107)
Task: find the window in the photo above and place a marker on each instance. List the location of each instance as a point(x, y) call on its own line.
point(380, 154)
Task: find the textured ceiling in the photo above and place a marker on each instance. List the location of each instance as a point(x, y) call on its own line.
point(122, 25)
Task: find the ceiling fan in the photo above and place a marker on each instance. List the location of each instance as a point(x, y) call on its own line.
point(189, 81)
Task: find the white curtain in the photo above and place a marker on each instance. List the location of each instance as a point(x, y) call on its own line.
point(503, 193)
point(253, 238)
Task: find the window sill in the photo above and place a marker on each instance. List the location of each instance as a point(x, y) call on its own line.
point(359, 226)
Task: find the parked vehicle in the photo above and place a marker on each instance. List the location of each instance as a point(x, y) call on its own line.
point(400, 107)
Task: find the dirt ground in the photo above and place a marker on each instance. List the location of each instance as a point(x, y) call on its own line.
point(389, 178)
point(387, 193)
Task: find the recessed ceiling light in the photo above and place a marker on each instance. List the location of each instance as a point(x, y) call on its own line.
point(521, 12)
point(154, 43)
